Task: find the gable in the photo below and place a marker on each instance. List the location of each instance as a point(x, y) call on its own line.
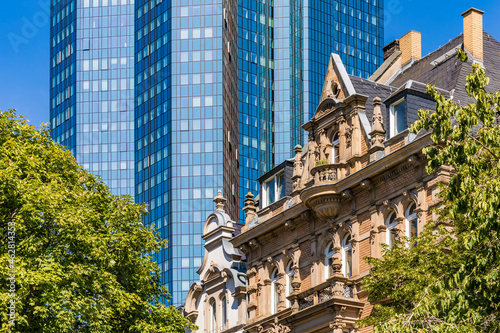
point(337, 84)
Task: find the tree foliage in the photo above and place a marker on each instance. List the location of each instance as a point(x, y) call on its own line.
point(449, 281)
point(80, 252)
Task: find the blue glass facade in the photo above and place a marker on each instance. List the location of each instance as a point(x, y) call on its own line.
point(92, 71)
point(186, 124)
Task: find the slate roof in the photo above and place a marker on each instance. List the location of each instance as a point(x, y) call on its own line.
point(415, 87)
point(372, 90)
point(443, 69)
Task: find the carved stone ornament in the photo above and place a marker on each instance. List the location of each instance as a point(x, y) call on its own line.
point(278, 328)
point(413, 160)
point(366, 184)
point(347, 195)
point(326, 206)
point(213, 266)
point(298, 167)
point(377, 133)
point(253, 243)
point(337, 266)
point(290, 225)
point(335, 225)
point(337, 324)
point(335, 89)
point(348, 136)
point(280, 287)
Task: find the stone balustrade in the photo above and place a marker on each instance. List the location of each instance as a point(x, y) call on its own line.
point(325, 173)
point(333, 288)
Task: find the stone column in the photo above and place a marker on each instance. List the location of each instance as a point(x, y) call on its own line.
point(337, 326)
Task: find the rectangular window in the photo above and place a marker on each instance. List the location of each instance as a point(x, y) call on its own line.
point(398, 117)
point(86, 44)
point(273, 189)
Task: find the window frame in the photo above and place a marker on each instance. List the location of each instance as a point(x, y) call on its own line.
point(410, 219)
point(274, 290)
point(391, 227)
point(213, 316)
point(223, 313)
point(393, 116)
point(278, 189)
point(289, 278)
point(346, 247)
point(329, 255)
point(335, 148)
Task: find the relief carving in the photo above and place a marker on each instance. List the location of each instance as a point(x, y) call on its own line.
point(348, 137)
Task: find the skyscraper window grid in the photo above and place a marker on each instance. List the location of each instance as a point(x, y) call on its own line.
point(187, 135)
point(97, 109)
point(256, 98)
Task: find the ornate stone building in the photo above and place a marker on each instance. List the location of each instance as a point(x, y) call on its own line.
point(360, 182)
point(217, 303)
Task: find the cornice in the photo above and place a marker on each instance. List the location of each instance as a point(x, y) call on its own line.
point(269, 224)
point(372, 170)
point(217, 230)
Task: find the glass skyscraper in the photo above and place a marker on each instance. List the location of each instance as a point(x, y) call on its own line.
point(220, 89)
point(92, 86)
point(186, 124)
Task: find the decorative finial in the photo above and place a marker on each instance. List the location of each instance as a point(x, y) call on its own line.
point(219, 201)
point(377, 133)
point(297, 167)
point(336, 266)
point(250, 208)
point(377, 121)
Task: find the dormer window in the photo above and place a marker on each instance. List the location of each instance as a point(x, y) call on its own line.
point(398, 117)
point(273, 189)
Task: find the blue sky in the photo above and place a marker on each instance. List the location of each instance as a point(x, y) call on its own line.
point(24, 42)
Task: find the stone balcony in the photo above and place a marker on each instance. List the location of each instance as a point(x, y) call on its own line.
point(326, 173)
point(335, 287)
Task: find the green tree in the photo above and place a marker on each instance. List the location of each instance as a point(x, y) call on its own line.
point(449, 282)
point(80, 253)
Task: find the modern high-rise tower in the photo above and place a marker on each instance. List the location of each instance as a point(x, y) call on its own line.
point(222, 89)
point(186, 123)
point(92, 86)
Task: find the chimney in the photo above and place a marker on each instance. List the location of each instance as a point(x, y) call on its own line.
point(411, 48)
point(473, 32)
point(390, 48)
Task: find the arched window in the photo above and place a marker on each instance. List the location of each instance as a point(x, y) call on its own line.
point(411, 221)
point(329, 254)
point(336, 148)
point(274, 291)
point(289, 278)
point(223, 312)
point(213, 317)
point(347, 256)
point(390, 233)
